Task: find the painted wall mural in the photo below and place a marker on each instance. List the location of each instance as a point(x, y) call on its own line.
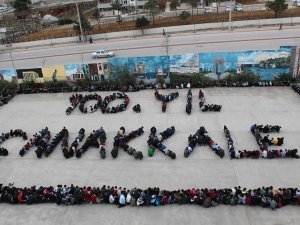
point(34, 74)
point(185, 64)
point(142, 67)
point(8, 75)
point(57, 71)
point(268, 64)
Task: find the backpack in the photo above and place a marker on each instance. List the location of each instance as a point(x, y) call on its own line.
point(151, 151)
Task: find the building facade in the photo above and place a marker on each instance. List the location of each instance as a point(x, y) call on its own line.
point(105, 7)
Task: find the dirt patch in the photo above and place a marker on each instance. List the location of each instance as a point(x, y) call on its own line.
point(58, 32)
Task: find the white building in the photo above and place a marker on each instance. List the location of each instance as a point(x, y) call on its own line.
point(105, 6)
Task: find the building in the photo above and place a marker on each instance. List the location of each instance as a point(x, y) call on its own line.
point(105, 8)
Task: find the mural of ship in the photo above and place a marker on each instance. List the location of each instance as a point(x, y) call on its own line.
point(189, 67)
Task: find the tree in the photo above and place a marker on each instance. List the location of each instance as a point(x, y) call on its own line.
point(85, 24)
point(119, 75)
point(152, 9)
point(193, 4)
point(116, 5)
point(142, 23)
point(131, 10)
point(277, 6)
point(22, 5)
point(160, 80)
point(184, 15)
point(97, 15)
point(174, 5)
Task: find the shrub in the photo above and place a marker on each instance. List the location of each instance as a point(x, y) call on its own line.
point(6, 85)
point(83, 83)
point(64, 21)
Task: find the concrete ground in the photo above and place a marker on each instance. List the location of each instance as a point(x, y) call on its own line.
point(241, 108)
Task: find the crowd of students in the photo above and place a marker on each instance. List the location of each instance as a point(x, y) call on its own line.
point(207, 107)
point(165, 98)
point(102, 104)
point(121, 141)
point(6, 136)
point(45, 146)
point(6, 95)
point(296, 88)
point(89, 88)
point(267, 197)
point(155, 142)
point(188, 107)
point(201, 138)
point(114, 109)
point(264, 143)
point(137, 108)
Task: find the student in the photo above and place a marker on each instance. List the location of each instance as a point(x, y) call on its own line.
point(122, 200)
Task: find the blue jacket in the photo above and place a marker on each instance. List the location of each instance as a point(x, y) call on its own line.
point(122, 200)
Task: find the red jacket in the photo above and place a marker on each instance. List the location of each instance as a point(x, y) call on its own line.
point(93, 198)
point(20, 197)
point(248, 200)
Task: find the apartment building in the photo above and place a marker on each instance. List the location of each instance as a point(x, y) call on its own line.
point(105, 6)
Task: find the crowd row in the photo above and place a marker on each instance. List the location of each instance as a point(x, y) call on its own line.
point(104, 86)
point(267, 197)
point(8, 94)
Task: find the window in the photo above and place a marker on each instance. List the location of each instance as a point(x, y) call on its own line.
point(104, 1)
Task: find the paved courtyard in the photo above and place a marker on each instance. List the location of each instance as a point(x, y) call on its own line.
point(241, 108)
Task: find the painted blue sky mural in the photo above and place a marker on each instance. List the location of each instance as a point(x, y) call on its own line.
point(265, 63)
point(146, 67)
point(8, 74)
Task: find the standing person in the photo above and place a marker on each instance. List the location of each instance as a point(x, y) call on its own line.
point(280, 27)
point(54, 76)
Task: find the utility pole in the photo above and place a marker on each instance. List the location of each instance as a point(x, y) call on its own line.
point(99, 13)
point(229, 28)
point(167, 51)
point(79, 21)
point(11, 57)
